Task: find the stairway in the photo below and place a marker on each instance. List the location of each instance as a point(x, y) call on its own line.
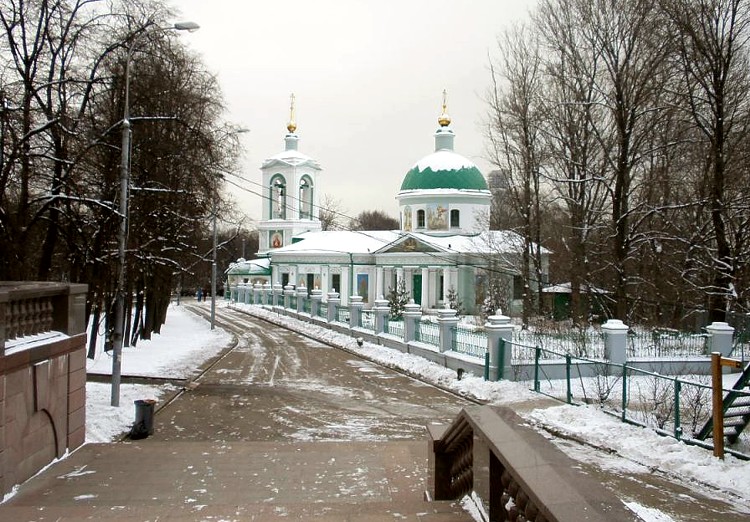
point(736, 410)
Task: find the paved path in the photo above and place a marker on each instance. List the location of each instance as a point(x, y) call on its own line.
point(281, 427)
point(286, 428)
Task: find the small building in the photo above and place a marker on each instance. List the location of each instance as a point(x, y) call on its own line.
point(443, 247)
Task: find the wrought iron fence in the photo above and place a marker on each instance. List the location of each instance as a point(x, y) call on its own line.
point(666, 342)
point(367, 320)
point(427, 333)
point(323, 310)
point(292, 302)
point(394, 327)
point(307, 305)
point(342, 314)
point(469, 342)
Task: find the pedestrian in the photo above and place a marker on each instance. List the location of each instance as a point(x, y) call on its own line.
point(199, 294)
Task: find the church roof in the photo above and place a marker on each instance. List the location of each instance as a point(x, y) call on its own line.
point(290, 157)
point(444, 169)
point(260, 266)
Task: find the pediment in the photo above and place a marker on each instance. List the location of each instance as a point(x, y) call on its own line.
point(408, 244)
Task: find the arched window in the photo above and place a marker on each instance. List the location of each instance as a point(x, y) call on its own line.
point(305, 198)
point(277, 197)
point(455, 218)
point(420, 218)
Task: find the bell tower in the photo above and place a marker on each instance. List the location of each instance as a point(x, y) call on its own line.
point(290, 192)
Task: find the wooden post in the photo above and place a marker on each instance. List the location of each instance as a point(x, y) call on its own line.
point(718, 405)
point(717, 361)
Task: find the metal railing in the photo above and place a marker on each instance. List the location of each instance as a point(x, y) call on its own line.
point(428, 333)
point(367, 320)
point(469, 342)
point(323, 310)
point(674, 406)
point(394, 327)
point(342, 314)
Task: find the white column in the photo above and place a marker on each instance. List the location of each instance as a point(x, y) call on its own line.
point(344, 291)
point(379, 276)
point(399, 275)
point(425, 288)
point(409, 280)
point(446, 283)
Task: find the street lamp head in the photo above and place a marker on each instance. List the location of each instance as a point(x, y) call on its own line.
point(186, 26)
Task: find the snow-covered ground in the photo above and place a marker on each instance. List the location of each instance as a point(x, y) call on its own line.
point(186, 341)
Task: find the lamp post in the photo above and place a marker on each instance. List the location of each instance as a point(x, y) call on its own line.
point(122, 235)
point(215, 246)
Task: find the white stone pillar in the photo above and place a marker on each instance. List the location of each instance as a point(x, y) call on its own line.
point(345, 291)
point(446, 283)
point(499, 327)
point(425, 288)
point(379, 275)
point(615, 341)
point(412, 314)
point(721, 337)
point(447, 321)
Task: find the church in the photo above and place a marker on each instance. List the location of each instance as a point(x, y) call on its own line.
point(442, 251)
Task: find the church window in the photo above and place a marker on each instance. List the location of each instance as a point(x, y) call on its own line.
point(306, 198)
point(455, 218)
point(336, 282)
point(420, 218)
point(278, 197)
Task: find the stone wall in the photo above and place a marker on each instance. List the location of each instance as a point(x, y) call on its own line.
point(42, 376)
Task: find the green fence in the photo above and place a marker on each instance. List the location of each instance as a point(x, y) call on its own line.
point(394, 327)
point(427, 333)
point(671, 405)
point(469, 342)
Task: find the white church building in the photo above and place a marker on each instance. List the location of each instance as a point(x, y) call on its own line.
point(443, 246)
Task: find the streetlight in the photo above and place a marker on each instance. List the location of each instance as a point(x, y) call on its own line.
point(122, 235)
point(213, 253)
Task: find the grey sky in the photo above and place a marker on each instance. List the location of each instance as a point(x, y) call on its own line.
point(368, 78)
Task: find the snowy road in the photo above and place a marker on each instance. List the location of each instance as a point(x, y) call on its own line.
point(277, 385)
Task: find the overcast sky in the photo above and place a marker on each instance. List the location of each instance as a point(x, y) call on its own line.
point(368, 78)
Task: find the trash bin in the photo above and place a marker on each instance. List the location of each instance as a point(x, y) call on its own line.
point(144, 419)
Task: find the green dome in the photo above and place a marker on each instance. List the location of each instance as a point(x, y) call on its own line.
point(444, 169)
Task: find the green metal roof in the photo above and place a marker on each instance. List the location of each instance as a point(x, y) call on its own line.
point(434, 172)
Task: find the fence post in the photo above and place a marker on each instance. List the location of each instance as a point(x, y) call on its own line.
point(412, 314)
point(355, 311)
point(288, 293)
point(256, 293)
point(248, 296)
point(721, 338)
point(447, 322)
point(677, 420)
point(568, 391)
point(266, 293)
point(381, 310)
point(316, 296)
point(498, 327)
point(277, 291)
point(333, 305)
point(615, 341)
point(301, 296)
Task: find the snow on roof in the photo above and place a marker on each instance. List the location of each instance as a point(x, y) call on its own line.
point(370, 241)
point(291, 157)
point(444, 160)
point(249, 266)
point(340, 242)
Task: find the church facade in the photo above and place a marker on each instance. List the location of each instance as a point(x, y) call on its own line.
point(443, 250)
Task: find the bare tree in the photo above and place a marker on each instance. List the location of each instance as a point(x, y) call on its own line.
point(516, 141)
point(713, 57)
point(331, 213)
point(373, 220)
